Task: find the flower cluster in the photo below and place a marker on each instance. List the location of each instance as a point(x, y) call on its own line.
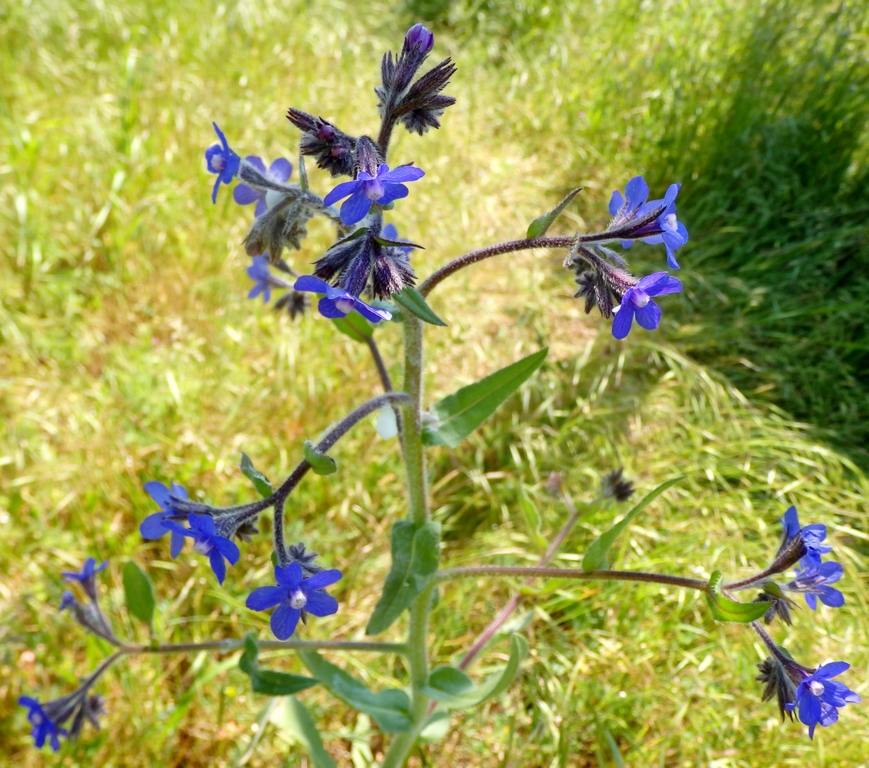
point(602, 274)
point(211, 530)
point(48, 719)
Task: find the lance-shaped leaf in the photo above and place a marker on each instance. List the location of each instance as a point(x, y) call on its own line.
point(541, 224)
point(138, 592)
point(725, 609)
point(355, 326)
point(415, 554)
point(259, 480)
point(269, 681)
point(412, 300)
point(595, 556)
point(492, 686)
point(389, 708)
point(447, 683)
point(292, 718)
point(321, 463)
point(462, 412)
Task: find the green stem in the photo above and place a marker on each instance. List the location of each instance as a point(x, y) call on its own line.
point(418, 513)
point(572, 573)
point(413, 450)
point(225, 646)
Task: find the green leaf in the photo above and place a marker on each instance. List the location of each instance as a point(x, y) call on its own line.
point(415, 555)
point(463, 411)
point(269, 681)
point(259, 480)
point(436, 727)
point(595, 556)
point(389, 708)
point(725, 609)
point(495, 684)
point(320, 462)
point(446, 683)
point(292, 718)
point(355, 326)
point(397, 243)
point(303, 173)
point(541, 224)
point(412, 300)
point(138, 592)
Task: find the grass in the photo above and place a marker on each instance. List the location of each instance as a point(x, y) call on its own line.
point(130, 353)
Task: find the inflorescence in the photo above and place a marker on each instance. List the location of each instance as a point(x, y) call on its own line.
point(365, 268)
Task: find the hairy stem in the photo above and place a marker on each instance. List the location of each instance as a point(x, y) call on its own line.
point(226, 646)
point(418, 513)
point(571, 573)
point(488, 252)
point(384, 379)
point(341, 428)
point(504, 614)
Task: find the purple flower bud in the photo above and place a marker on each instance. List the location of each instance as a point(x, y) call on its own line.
point(419, 37)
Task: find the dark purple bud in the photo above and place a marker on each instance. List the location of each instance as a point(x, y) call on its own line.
point(418, 36)
point(332, 148)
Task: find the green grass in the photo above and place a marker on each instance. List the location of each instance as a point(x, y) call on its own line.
point(129, 353)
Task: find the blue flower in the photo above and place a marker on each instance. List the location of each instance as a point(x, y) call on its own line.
point(222, 161)
point(259, 272)
point(337, 302)
point(207, 541)
point(67, 600)
point(638, 301)
point(633, 208)
point(365, 189)
point(43, 726)
point(280, 171)
point(811, 536)
point(814, 583)
point(155, 526)
point(87, 576)
point(293, 595)
point(818, 698)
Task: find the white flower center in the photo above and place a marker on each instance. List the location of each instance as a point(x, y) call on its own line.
point(640, 298)
point(344, 305)
point(218, 162)
point(816, 687)
point(298, 599)
point(203, 547)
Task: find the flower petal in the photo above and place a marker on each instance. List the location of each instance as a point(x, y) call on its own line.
point(153, 527)
point(228, 548)
point(323, 579)
point(290, 576)
point(217, 564)
point(177, 544)
point(402, 173)
point(263, 598)
point(833, 669)
point(203, 524)
point(616, 202)
point(356, 207)
point(245, 195)
point(392, 192)
point(649, 316)
point(623, 320)
point(281, 169)
point(284, 621)
point(321, 604)
point(158, 492)
point(311, 283)
point(341, 191)
point(637, 192)
point(329, 309)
